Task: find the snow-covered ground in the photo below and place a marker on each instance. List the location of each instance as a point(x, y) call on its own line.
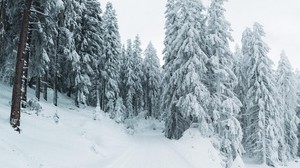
point(79, 141)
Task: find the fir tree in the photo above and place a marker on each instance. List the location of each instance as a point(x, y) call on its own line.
point(264, 130)
point(138, 77)
point(110, 70)
point(287, 87)
point(185, 96)
point(225, 106)
point(129, 80)
point(12, 19)
point(152, 81)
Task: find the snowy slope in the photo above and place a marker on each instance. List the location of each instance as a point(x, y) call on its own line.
point(79, 141)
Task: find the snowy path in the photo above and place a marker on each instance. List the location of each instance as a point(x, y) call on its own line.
point(149, 151)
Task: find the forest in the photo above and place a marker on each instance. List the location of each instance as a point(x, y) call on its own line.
point(73, 47)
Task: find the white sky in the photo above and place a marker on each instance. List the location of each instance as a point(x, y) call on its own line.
point(281, 20)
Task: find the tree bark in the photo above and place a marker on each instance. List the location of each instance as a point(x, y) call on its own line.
point(15, 114)
point(55, 68)
point(25, 70)
point(25, 79)
point(38, 88)
point(45, 86)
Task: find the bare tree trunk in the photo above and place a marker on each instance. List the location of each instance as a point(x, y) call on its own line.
point(15, 114)
point(45, 86)
point(38, 88)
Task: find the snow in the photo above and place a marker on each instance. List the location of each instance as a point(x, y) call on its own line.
point(59, 4)
point(79, 141)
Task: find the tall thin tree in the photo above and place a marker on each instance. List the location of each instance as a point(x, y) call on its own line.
point(16, 96)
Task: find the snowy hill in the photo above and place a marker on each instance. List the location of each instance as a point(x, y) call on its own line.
point(79, 141)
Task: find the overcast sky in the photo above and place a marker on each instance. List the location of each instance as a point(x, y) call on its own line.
point(280, 18)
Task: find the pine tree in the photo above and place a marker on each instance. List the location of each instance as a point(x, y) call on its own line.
point(172, 26)
point(3, 19)
point(185, 96)
point(152, 81)
point(41, 43)
point(287, 87)
point(60, 41)
point(246, 54)
point(110, 70)
point(129, 80)
point(138, 78)
point(93, 35)
point(297, 73)
point(263, 129)
point(12, 19)
point(75, 66)
point(225, 106)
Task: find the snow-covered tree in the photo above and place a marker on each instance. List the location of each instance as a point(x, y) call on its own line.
point(241, 90)
point(91, 46)
point(297, 73)
point(185, 96)
point(41, 43)
point(129, 79)
point(263, 129)
point(287, 87)
point(12, 17)
point(3, 19)
point(138, 102)
point(152, 80)
point(225, 106)
point(110, 69)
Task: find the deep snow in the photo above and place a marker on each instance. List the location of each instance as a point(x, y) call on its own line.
point(79, 141)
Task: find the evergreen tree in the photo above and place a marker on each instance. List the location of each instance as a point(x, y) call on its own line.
point(61, 49)
point(152, 81)
point(123, 68)
point(172, 26)
point(75, 66)
point(110, 70)
point(263, 129)
point(138, 71)
point(93, 45)
point(185, 96)
point(242, 86)
point(287, 87)
point(90, 45)
point(3, 19)
point(225, 106)
point(11, 19)
point(130, 76)
point(298, 107)
point(41, 43)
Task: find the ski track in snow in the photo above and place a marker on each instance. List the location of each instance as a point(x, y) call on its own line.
point(150, 151)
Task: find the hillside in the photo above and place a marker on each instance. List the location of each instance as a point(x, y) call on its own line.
point(79, 141)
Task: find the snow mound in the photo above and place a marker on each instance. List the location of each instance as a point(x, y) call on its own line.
point(198, 150)
point(238, 163)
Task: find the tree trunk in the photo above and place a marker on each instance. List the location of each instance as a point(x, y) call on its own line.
point(38, 88)
point(45, 86)
point(15, 114)
point(25, 70)
point(55, 88)
point(55, 68)
point(25, 79)
point(77, 97)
